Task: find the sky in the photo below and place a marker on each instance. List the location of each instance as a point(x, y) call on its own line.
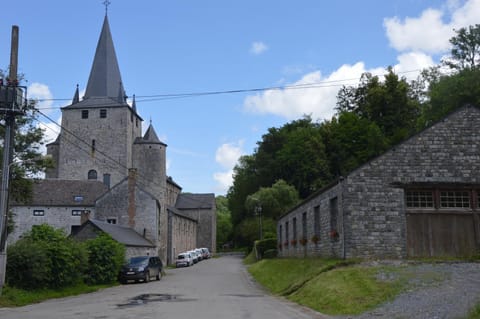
point(284, 59)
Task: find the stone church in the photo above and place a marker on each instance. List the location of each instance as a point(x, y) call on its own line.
point(107, 172)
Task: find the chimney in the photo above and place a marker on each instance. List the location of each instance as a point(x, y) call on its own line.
point(132, 182)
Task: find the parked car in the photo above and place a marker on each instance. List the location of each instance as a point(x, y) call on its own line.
point(141, 268)
point(184, 260)
point(199, 254)
point(194, 256)
point(205, 253)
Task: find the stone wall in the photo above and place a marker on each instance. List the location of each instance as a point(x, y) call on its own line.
point(60, 217)
point(371, 216)
point(183, 235)
point(207, 227)
point(112, 152)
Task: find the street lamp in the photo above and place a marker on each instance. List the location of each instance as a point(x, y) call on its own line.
point(258, 212)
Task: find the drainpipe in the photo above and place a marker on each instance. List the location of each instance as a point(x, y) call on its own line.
point(341, 182)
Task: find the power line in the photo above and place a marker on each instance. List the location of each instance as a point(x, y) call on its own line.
point(171, 96)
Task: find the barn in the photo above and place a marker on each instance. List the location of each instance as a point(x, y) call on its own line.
point(421, 198)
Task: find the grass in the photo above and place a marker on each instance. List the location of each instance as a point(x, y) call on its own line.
point(283, 276)
point(13, 297)
point(351, 290)
point(474, 313)
point(334, 287)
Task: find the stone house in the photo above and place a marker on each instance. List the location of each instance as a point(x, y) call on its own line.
point(135, 244)
point(420, 198)
point(101, 142)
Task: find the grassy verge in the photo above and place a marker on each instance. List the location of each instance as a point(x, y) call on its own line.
point(475, 313)
point(13, 297)
point(328, 285)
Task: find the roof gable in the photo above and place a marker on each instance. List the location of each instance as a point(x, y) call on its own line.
point(195, 201)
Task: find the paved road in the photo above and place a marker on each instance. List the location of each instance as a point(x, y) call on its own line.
point(218, 288)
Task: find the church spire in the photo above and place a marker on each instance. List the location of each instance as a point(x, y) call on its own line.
point(76, 96)
point(105, 79)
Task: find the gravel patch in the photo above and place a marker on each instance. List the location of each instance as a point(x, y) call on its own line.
point(437, 291)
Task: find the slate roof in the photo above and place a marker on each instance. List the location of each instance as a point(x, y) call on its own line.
point(150, 137)
point(57, 192)
point(195, 201)
point(172, 182)
point(122, 234)
point(179, 213)
point(105, 79)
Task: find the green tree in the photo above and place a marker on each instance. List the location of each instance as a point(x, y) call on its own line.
point(59, 261)
point(28, 160)
point(392, 104)
point(350, 141)
point(105, 258)
point(224, 221)
point(465, 53)
point(273, 201)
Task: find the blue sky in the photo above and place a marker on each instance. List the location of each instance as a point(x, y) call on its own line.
point(180, 47)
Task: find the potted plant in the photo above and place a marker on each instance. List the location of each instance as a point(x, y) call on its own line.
point(303, 241)
point(333, 234)
point(315, 239)
point(294, 242)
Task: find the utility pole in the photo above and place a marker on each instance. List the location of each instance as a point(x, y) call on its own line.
point(11, 105)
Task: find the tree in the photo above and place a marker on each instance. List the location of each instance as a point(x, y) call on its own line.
point(392, 104)
point(224, 221)
point(350, 141)
point(105, 258)
point(465, 53)
point(273, 201)
point(28, 160)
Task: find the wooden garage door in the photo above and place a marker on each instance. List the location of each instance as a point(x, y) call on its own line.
point(442, 223)
point(441, 234)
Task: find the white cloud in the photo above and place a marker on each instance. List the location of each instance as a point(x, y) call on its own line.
point(258, 47)
point(227, 156)
point(409, 64)
point(39, 91)
point(318, 100)
point(430, 32)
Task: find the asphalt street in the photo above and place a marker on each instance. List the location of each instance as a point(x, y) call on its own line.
point(216, 288)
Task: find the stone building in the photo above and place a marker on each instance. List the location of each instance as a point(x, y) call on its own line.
point(101, 142)
point(420, 198)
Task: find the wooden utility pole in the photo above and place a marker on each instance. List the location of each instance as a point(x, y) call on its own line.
point(10, 108)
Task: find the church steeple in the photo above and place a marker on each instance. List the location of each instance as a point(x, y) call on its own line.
point(105, 79)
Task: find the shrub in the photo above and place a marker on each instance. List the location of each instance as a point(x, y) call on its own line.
point(105, 258)
point(271, 253)
point(54, 261)
point(28, 265)
point(263, 245)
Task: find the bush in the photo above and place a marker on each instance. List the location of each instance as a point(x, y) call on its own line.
point(261, 246)
point(105, 258)
point(28, 265)
point(269, 254)
point(47, 257)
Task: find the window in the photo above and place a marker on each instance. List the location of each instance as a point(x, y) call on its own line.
point(304, 225)
point(286, 233)
point(78, 198)
point(316, 220)
point(38, 212)
point(77, 212)
point(454, 199)
point(103, 113)
point(333, 213)
point(84, 114)
point(112, 220)
point(280, 229)
point(419, 199)
point(294, 225)
point(93, 147)
point(106, 180)
point(92, 174)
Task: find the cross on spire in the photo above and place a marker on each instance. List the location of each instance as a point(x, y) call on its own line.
point(106, 3)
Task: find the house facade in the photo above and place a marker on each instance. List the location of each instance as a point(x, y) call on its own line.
point(419, 199)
